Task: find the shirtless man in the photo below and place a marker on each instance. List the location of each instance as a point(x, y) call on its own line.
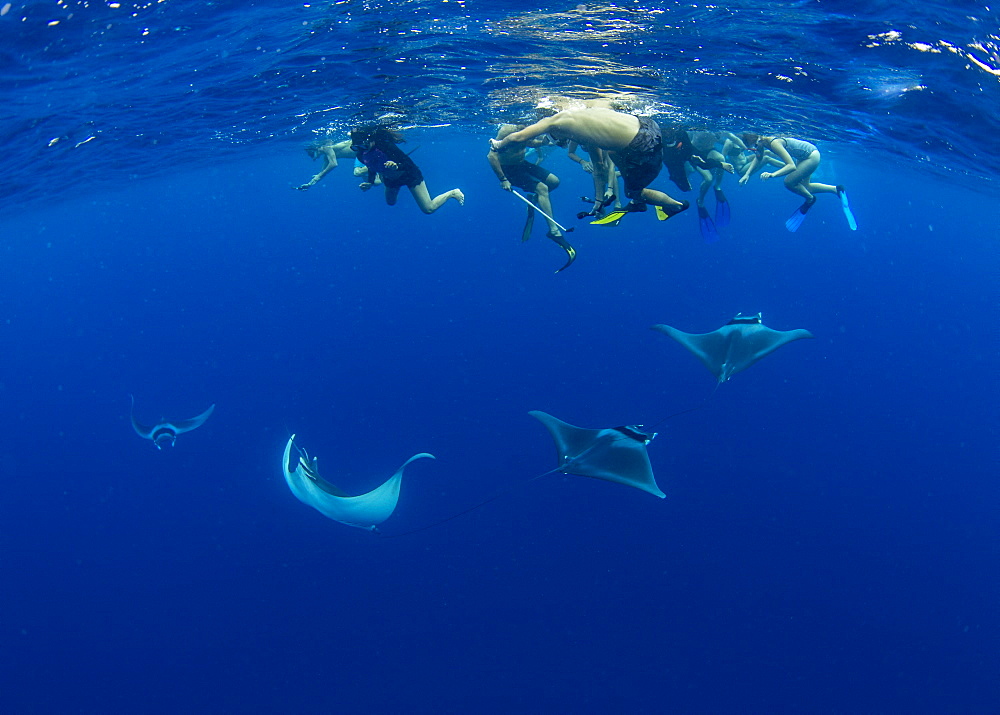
point(512, 169)
point(633, 144)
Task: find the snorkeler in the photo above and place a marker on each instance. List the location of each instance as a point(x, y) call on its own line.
point(331, 151)
point(377, 148)
point(683, 150)
point(512, 169)
point(633, 144)
point(801, 159)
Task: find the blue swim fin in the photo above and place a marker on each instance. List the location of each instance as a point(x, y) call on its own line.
point(707, 226)
point(721, 209)
point(842, 193)
point(796, 219)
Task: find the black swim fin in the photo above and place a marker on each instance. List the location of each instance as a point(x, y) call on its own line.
point(564, 245)
point(721, 209)
point(529, 223)
point(707, 226)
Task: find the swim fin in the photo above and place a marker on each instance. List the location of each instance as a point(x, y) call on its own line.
point(842, 193)
point(529, 223)
point(611, 219)
point(599, 206)
point(664, 213)
point(564, 245)
point(614, 217)
point(707, 226)
point(796, 219)
point(721, 209)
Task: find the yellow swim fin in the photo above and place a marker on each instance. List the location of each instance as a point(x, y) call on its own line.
point(611, 219)
point(663, 214)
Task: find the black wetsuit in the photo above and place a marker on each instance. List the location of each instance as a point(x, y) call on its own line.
point(677, 150)
point(640, 162)
point(406, 173)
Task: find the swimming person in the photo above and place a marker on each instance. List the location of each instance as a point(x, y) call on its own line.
point(513, 169)
point(331, 151)
point(377, 148)
point(801, 159)
point(633, 143)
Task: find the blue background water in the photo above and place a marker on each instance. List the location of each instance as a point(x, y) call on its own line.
point(829, 538)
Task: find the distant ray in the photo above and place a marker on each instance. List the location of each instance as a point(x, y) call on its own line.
point(165, 432)
point(364, 511)
point(735, 346)
point(616, 454)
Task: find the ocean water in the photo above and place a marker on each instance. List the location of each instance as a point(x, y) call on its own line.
point(829, 540)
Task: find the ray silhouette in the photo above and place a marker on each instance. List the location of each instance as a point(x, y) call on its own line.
point(616, 454)
point(735, 346)
point(365, 511)
point(165, 432)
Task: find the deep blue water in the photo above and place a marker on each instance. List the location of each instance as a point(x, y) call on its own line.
point(829, 540)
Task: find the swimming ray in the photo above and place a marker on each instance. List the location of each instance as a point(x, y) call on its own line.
point(165, 432)
point(365, 511)
point(616, 454)
point(735, 346)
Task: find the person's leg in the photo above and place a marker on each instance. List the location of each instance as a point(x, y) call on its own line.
point(545, 204)
point(705, 185)
point(429, 205)
point(391, 194)
point(601, 162)
point(798, 181)
point(658, 198)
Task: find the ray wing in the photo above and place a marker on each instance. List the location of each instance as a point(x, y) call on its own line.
point(711, 348)
point(188, 425)
point(758, 341)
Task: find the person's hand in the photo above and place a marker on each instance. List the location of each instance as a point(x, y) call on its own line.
point(587, 166)
point(364, 186)
point(391, 165)
point(726, 166)
point(494, 145)
point(766, 175)
point(505, 185)
point(303, 187)
point(311, 182)
point(743, 179)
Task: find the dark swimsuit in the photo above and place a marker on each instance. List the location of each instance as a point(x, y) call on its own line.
point(640, 162)
point(525, 175)
point(677, 149)
point(407, 173)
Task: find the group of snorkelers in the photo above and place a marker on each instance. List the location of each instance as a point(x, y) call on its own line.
point(618, 144)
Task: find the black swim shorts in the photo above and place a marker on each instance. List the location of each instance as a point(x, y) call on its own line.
point(640, 162)
point(525, 175)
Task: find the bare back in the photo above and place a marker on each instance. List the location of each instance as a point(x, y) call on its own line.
point(595, 127)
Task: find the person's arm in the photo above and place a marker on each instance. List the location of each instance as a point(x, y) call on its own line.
point(734, 140)
point(524, 135)
point(778, 147)
point(331, 163)
point(751, 167)
point(494, 159)
point(584, 164)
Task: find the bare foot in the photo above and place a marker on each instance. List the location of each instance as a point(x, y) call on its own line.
point(458, 196)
